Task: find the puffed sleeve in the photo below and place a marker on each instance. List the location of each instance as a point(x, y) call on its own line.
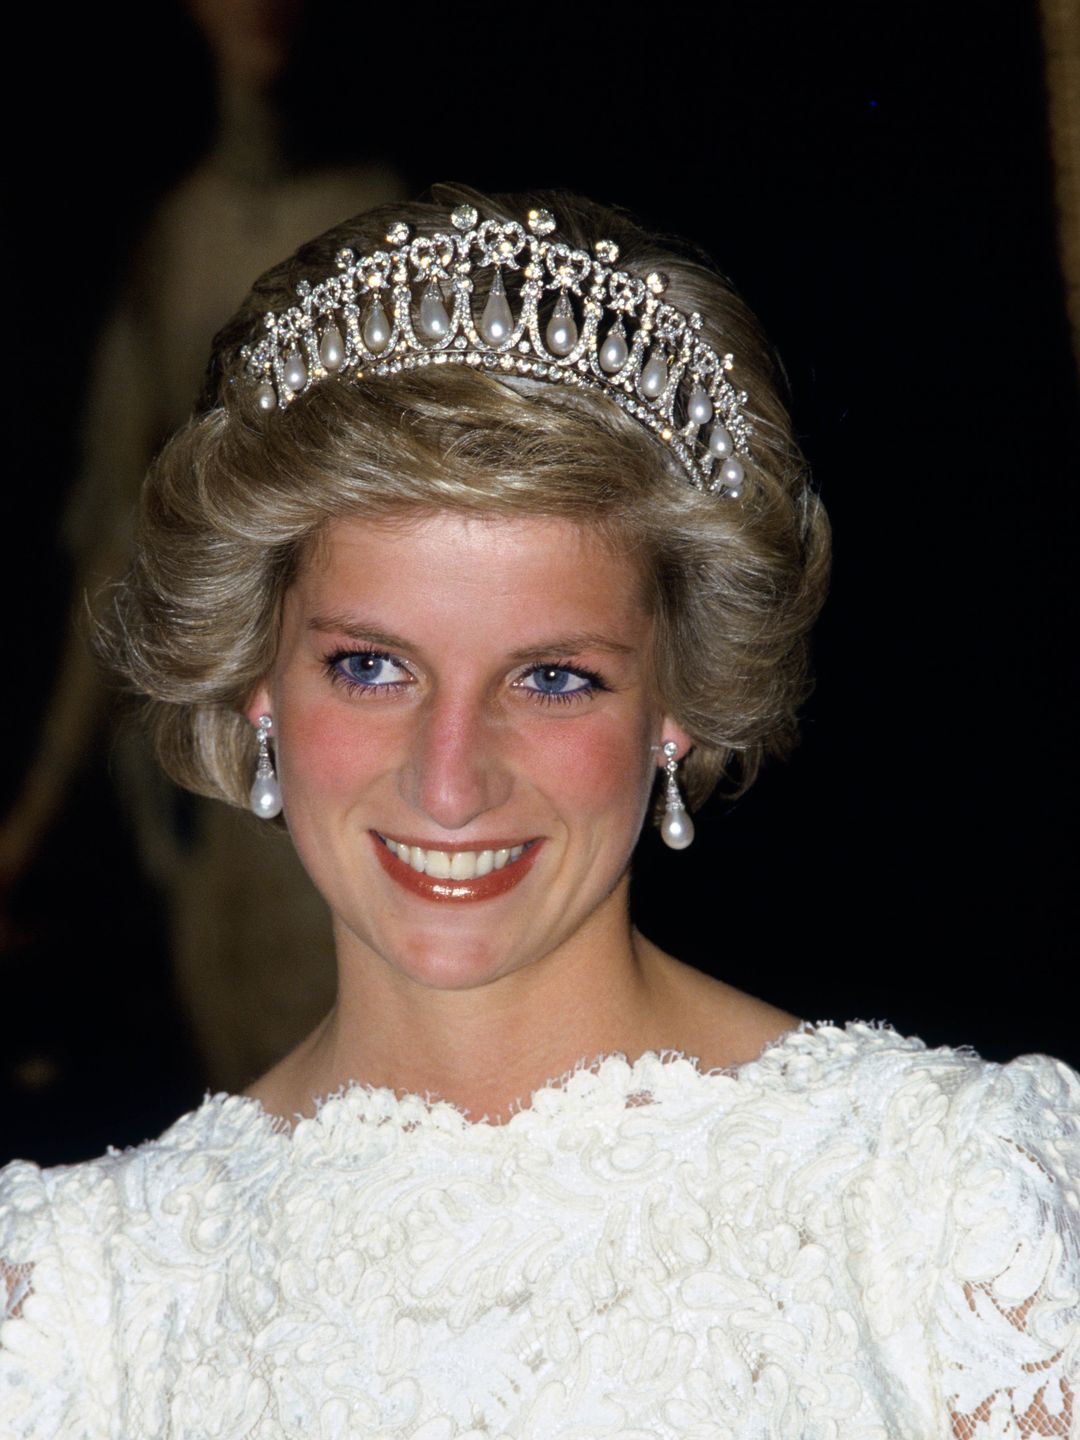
point(1005, 1325)
point(42, 1390)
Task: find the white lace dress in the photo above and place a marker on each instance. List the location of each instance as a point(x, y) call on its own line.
point(850, 1237)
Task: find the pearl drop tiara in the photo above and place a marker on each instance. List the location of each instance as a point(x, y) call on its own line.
point(608, 331)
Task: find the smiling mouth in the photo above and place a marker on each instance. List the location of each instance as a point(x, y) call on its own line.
point(455, 874)
point(455, 864)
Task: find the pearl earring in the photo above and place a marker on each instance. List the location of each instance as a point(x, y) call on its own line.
point(676, 828)
point(266, 792)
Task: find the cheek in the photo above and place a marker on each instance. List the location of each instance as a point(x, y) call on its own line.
point(320, 753)
point(603, 768)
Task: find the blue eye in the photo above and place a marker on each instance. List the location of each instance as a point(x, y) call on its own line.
point(560, 682)
point(369, 669)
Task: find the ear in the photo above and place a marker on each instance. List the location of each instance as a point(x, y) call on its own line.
point(671, 730)
point(258, 704)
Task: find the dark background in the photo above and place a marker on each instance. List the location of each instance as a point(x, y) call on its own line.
point(877, 181)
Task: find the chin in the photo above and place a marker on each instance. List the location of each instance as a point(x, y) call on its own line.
point(438, 959)
point(440, 964)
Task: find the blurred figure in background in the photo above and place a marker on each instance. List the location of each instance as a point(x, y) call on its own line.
point(244, 204)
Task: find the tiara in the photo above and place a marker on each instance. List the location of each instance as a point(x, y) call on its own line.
point(609, 331)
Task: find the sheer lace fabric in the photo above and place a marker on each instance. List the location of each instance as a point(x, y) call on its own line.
point(851, 1237)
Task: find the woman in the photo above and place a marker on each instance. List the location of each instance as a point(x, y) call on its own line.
point(492, 524)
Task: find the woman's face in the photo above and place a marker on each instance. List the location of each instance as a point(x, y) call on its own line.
point(464, 720)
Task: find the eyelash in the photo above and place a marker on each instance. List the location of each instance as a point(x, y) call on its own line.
point(595, 683)
point(338, 676)
point(586, 692)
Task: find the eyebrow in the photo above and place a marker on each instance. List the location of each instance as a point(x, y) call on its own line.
point(357, 629)
point(570, 644)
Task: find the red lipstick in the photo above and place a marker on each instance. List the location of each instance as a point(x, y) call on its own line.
point(483, 887)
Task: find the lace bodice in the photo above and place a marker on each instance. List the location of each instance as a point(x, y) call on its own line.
point(852, 1236)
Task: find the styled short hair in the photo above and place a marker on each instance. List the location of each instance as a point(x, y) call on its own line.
point(236, 497)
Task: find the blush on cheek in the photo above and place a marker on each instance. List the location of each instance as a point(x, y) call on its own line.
point(320, 752)
point(599, 767)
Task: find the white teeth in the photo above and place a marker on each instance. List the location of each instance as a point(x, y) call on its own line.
point(453, 864)
point(437, 865)
point(463, 865)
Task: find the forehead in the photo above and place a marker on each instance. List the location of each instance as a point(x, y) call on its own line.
point(450, 558)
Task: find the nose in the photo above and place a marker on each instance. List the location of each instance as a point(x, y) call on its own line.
point(454, 769)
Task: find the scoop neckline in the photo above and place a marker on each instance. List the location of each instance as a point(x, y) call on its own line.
point(608, 1076)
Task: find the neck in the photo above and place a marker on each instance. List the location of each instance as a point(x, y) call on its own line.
point(488, 1047)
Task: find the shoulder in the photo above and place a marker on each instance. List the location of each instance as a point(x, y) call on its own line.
point(42, 1211)
point(1006, 1318)
point(963, 1221)
point(959, 1114)
point(905, 1097)
point(52, 1234)
point(88, 1250)
point(226, 1144)
point(913, 1135)
point(1014, 1212)
point(875, 1056)
point(956, 1186)
point(866, 1069)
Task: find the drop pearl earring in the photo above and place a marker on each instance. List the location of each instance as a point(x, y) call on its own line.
point(676, 828)
point(266, 792)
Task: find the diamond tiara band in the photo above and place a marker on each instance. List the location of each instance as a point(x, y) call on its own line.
point(608, 331)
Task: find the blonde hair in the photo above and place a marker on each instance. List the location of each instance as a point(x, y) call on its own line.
point(236, 497)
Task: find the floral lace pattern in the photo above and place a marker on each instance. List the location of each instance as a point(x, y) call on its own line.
point(852, 1236)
